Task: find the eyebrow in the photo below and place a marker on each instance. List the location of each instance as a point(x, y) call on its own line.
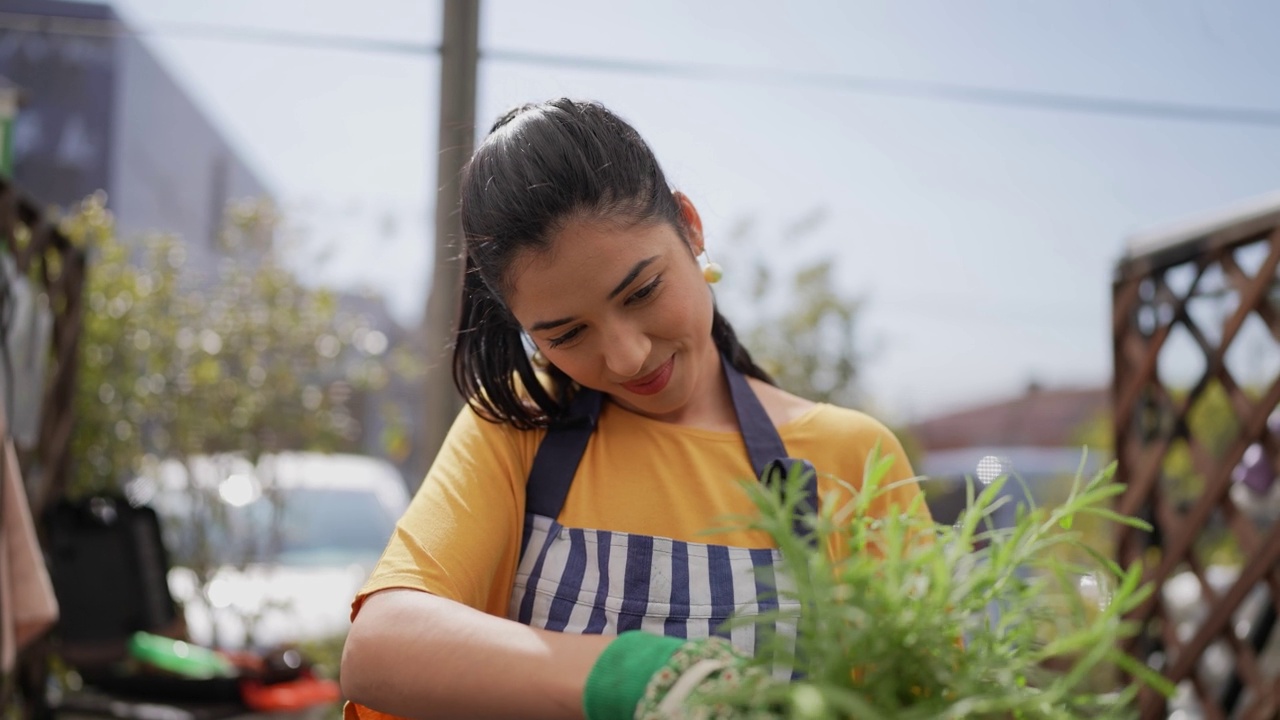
point(630, 278)
point(548, 324)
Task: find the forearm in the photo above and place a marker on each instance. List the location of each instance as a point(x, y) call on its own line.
point(420, 656)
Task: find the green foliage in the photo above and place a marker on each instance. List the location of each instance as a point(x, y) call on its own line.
point(799, 325)
point(899, 625)
point(179, 361)
point(1212, 425)
point(808, 347)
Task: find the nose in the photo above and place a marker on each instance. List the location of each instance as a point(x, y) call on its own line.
point(626, 349)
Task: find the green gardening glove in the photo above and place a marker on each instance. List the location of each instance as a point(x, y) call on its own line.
point(646, 677)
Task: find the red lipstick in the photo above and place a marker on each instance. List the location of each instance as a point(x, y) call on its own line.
point(654, 382)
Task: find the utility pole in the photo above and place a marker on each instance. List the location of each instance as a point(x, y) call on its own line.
point(459, 52)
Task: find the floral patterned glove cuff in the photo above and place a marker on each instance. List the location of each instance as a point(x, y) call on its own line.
point(697, 672)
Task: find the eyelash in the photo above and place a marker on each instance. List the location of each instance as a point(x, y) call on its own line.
point(645, 292)
point(558, 341)
point(638, 296)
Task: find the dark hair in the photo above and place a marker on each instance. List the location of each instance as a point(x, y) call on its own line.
point(541, 166)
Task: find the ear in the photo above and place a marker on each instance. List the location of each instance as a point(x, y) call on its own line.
point(692, 221)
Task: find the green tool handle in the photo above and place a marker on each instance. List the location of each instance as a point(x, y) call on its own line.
point(178, 657)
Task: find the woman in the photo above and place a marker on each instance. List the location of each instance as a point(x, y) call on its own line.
point(556, 557)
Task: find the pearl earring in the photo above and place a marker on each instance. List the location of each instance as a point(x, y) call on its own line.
point(539, 360)
point(711, 272)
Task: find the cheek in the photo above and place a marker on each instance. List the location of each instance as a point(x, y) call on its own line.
point(579, 366)
point(691, 312)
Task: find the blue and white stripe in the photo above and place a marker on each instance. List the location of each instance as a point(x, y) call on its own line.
point(600, 582)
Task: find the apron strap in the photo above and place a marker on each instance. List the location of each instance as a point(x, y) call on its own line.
point(778, 472)
point(765, 448)
point(559, 455)
point(764, 445)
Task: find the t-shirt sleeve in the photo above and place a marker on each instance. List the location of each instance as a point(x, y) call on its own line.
point(459, 538)
point(901, 492)
point(863, 436)
point(900, 478)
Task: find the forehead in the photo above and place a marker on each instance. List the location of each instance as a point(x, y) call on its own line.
point(584, 261)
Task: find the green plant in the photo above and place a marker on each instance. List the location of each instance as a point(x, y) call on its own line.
point(181, 361)
point(901, 626)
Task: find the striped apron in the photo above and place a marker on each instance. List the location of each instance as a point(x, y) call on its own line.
point(591, 581)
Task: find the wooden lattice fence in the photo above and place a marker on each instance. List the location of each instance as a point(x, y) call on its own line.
point(1196, 332)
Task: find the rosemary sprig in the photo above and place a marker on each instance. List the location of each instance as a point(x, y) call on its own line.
point(921, 620)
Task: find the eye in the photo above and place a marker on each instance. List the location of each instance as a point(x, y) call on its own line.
point(562, 339)
point(645, 292)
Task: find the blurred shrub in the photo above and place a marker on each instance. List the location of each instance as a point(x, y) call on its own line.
point(179, 361)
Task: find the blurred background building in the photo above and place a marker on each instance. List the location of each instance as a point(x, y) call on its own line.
point(101, 112)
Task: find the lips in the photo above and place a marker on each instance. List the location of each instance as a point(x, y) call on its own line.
point(654, 382)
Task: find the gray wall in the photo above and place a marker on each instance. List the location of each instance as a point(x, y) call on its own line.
point(102, 113)
point(63, 135)
point(174, 171)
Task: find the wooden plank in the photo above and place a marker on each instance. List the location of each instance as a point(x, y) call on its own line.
point(1266, 705)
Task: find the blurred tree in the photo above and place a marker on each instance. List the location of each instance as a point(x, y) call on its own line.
point(797, 324)
point(244, 359)
point(808, 345)
point(178, 363)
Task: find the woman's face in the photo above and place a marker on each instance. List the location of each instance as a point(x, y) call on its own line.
point(624, 310)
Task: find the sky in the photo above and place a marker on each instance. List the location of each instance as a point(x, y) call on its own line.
point(980, 238)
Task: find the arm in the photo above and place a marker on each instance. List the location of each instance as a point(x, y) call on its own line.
point(413, 654)
point(427, 637)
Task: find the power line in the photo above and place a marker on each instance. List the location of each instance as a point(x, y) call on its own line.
point(842, 82)
point(106, 28)
point(891, 87)
point(284, 38)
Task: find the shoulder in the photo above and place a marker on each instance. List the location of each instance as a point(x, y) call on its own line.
point(473, 438)
point(846, 421)
point(794, 415)
point(844, 437)
point(788, 410)
point(783, 407)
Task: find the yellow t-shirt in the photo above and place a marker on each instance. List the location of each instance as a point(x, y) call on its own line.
point(460, 538)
